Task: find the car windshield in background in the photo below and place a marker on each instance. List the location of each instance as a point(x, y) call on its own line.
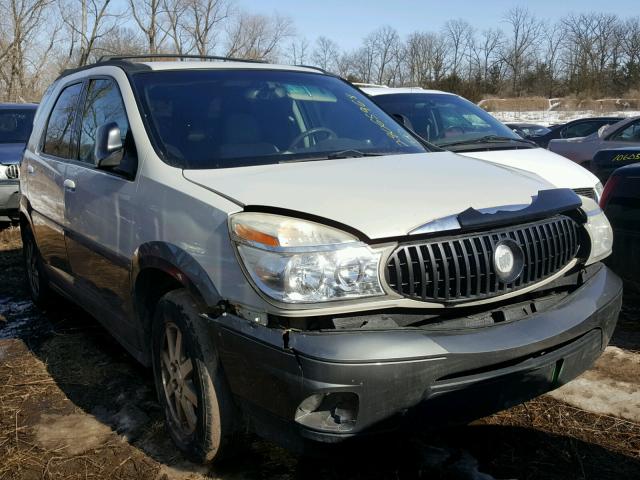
point(15, 125)
point(446, 119)
point(534, 130)
point(221, 118)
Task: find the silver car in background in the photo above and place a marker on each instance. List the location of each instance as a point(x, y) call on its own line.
point(582, 149)
point(16, 121)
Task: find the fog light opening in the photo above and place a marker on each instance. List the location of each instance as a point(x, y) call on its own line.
point(330, 411)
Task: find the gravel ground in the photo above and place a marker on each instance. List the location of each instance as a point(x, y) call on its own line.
point(74, 404)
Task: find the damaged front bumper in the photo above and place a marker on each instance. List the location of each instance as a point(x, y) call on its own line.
point(331, 385)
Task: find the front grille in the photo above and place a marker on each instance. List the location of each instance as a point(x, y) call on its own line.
point(12, 172)
point(586, 192)
point(461, 268)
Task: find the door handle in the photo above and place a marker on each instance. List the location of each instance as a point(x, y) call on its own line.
point(69, 185)
point(30, 169)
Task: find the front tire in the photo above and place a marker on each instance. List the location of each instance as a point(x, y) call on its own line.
point(191, 388)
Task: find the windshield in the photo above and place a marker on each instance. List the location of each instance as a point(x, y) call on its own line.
point(442, 118)
point(15, 125)
point(204, 119)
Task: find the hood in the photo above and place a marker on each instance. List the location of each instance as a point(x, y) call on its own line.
point(11, 152)
point(381, 197)
point(555, 169)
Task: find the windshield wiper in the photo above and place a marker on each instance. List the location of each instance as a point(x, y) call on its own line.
point(487, 139)
point(333, 156)
point(351, 154)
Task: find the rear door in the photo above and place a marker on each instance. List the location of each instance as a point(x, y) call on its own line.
point(99, 211)
point(46, 170)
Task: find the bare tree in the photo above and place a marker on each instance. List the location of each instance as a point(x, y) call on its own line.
point(326, 54)
point(594, 46)
point(485, 52)
point(631, 46)
point(96, 19)
point(147, 15)
point(382, 52)
point(520, 48)
point(459, 33)
point(21, 22)
point(258, 37)
point(298, 51)
point(426, 55)
point(172, 24)
point(204, 22)
point(549, 63)
point(122, 41)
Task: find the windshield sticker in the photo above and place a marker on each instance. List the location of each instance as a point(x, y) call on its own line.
point(374, 118)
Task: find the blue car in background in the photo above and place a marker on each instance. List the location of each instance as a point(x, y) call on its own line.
point(16, 121)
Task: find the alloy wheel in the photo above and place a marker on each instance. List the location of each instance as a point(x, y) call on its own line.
point(178, 381)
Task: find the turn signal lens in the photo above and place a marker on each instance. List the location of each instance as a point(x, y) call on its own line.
point(251, 235)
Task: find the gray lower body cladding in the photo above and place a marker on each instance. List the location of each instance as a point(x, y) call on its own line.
point(355, 382)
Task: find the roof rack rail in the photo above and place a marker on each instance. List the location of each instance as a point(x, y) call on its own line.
point(313, 67)
point(369, 85)
point(107, 58)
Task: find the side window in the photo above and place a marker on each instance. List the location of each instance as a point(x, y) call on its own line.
point(59, 138)
point(103, 105)
point(582, 129)
point(631, 133)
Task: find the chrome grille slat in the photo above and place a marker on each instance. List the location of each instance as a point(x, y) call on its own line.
point(461, 268)
point(12, 172)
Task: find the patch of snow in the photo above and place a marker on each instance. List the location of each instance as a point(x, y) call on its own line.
point(551, 117)
point(74, 434)
point(599, 391)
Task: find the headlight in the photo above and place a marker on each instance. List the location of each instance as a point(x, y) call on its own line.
point(599, 190)
point(600, 233)
point(297, 261)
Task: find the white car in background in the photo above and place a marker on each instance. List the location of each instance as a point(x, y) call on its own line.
point(456, 124)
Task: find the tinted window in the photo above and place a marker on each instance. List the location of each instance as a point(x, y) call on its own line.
point(15, 125)
point(222, 118)
point(441, 118)
point(583, 129)
point(631, 133)
point(59, 137)
point(103, 105)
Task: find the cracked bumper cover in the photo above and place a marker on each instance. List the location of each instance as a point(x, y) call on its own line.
point(441, 377)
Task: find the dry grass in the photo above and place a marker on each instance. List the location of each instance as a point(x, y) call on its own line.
point(514, 104)
point(552, 416)
point(10, 238)
point(525, 104)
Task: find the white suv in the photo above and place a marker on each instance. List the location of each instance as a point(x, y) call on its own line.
point(455, 124)
point(291, 260)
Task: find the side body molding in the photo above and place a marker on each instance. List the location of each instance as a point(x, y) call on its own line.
point(180, 265)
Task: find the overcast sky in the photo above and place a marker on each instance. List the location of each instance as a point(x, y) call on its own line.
point(348, 21)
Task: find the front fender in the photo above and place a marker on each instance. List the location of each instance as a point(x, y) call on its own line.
point(180, 265)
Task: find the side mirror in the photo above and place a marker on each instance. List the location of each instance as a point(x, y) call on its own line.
point(401, 119)
point(108, 150)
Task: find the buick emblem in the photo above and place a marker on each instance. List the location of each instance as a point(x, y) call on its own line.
point(508, 260)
